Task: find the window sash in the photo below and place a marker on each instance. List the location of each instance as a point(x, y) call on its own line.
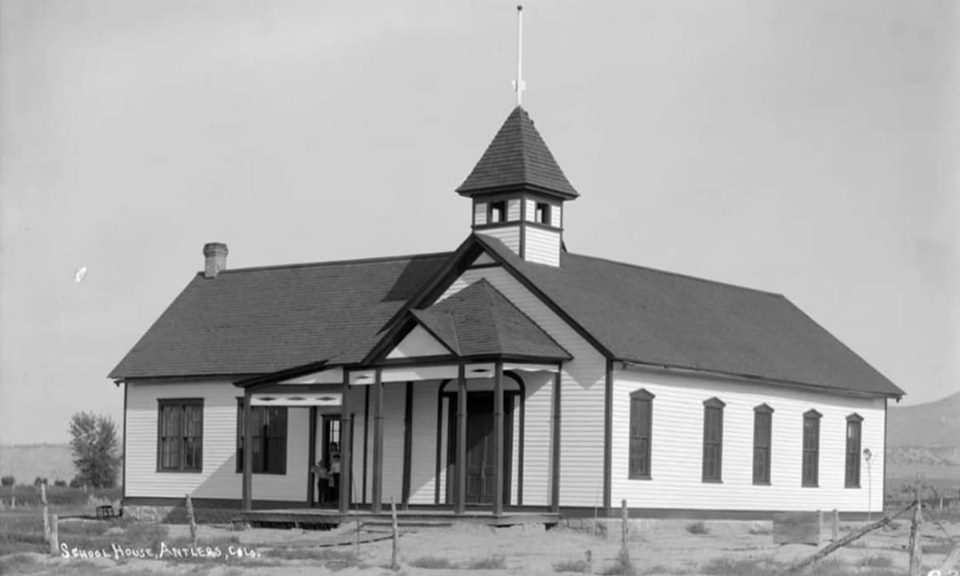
point(268, 439)
point(712, 443)
point(852, 468)
point(762, 424)
point(640, 435)
point(180, 435)
point(811, 450)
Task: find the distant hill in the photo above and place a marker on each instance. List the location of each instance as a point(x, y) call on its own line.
point(931, 425)
point(27, 462)
point(924, 441)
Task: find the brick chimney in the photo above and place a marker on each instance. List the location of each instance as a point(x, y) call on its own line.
point(215, 259)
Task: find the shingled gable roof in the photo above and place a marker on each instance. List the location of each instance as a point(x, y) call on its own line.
point(480, 321)
point(663, 319)
point(263, 320)
point(517, 158)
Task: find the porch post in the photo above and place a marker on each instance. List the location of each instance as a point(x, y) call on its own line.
point(377, 495)
point(311, 455)
point(555, 471)
point(247, 452)
point(460, 494)
point(346, 448)
point(498, 438)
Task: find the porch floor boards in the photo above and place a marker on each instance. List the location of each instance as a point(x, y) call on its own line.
point(404, 517)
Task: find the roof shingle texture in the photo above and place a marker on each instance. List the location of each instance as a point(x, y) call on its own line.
point(479, 320)
point(261, 320)
point(664, 319)
point(517, 156)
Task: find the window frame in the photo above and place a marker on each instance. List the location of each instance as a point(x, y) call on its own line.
point(500, 206)
point(181, 404)
point(712, 406)
point(853, 421)
point(762, 454)
point(810, 455)
point(544, 208)
point(265, 463)
point(641, 400)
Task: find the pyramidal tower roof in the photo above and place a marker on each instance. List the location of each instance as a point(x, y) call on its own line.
point(517, 158)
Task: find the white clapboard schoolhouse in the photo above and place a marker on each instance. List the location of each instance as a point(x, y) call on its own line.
point(508, 376)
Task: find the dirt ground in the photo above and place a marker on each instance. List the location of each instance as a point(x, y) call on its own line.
point(655, 547)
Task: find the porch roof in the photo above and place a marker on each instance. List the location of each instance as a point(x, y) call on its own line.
point(480, 321)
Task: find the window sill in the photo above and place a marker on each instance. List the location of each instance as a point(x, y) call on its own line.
point(646, 477)
point(708, 481)
point(809, 485)
point(852, 486)
point(171, 471)
point(762, 484)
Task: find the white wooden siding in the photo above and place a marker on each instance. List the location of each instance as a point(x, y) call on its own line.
point(509, 236)
point(479, 213)
point(423, 454)
point(418, 342)
point(542, 246)
point(531, 215)
point(219, 477)
point(394, 403)
point(513, 210)
point(556, 218)
point(677, 443)
point(582, 383)
point(538, 457)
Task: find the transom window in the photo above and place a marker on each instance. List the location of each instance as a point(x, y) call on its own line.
point(811, 448)
point(762, 441)
point(498, 212)
point(543, 213)
point(854, 430)
point(180, 435)
point(268, 439)
point(713, 440)
point(641, 413)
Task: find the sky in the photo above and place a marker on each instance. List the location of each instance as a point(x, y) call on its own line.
point(805, 147)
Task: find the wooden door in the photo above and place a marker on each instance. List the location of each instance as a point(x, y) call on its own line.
point(480, 446)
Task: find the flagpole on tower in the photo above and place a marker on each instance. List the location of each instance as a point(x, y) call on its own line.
point(519, 85)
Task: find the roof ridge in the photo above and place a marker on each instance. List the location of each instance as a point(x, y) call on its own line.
point(678, 274)
point(350, 262)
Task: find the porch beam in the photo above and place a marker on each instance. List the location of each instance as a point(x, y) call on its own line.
point(377, 490)
point(460, 493)
point(247, 451)
point(346, 449)
point(498, 439)
point(555, 469)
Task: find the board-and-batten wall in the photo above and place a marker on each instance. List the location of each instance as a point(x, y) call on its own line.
point(219, 477)
point(677, 444)
point(582, 386)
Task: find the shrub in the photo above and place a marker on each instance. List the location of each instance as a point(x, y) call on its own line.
point(739, 567)
point(8, 480)
point(496, 562)
point(877, 561)
point(581, 566)
point(697, 528)
point(432, 563)
point(620, 567)
point(60, 483)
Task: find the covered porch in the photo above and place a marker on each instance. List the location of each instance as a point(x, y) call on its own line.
point(468, 439)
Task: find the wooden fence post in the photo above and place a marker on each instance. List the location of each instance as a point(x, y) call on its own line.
point(395, 559)
point(915, 546)
point(193, 522)
point(835, 527)
point(54, 535)
point(46, 518)
point(624, 531)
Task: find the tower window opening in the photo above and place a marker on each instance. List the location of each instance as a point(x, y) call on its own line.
point(498, 212)
point(543, 213)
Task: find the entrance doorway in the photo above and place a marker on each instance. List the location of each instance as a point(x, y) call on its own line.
point(480, 447)
point(326, 471)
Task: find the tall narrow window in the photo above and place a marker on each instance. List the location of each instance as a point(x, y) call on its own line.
point(811, 448)
point(268, 439)
point(498, 212)
point(180, 435)
point(641, 413)
point(713, 440)
point(762, 427)
point(854, 428)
